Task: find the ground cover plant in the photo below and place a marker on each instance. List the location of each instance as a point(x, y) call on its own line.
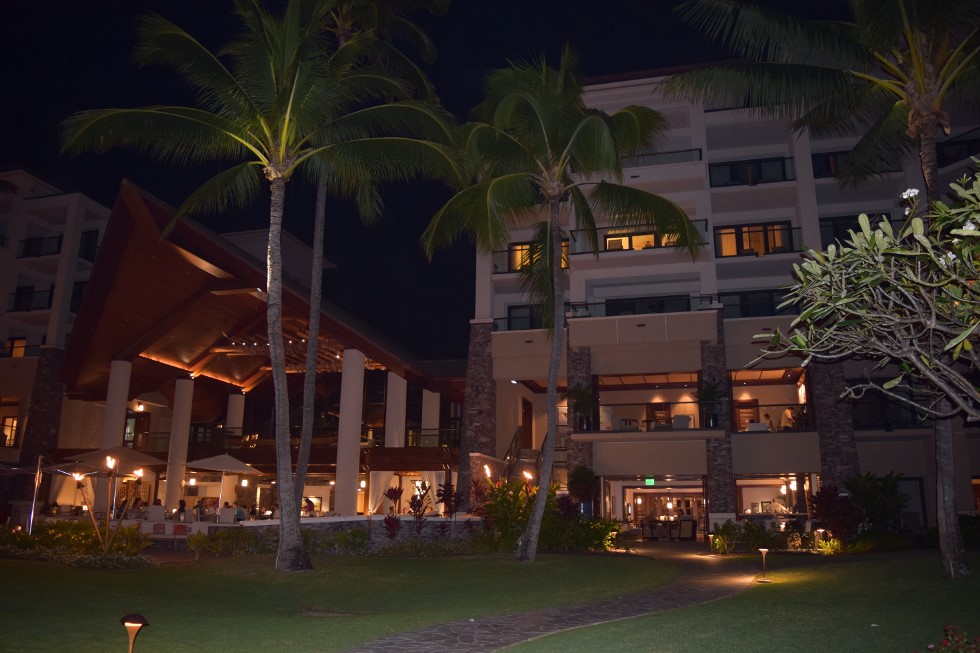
point(239, 604)
point(883, 602)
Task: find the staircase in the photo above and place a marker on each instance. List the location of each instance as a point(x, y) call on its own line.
point(520, 460)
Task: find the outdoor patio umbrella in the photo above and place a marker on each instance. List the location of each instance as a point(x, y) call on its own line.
point(226, 465)
point(126, 459)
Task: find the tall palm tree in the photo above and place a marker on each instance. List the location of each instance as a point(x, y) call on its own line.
point(365, 32)
point(265, 111)
point(534, 156)
point(893, 74)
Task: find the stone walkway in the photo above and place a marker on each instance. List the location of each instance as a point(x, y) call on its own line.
point(702, 579)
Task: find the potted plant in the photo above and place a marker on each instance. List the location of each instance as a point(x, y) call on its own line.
point(580, 405)
point(708, 396)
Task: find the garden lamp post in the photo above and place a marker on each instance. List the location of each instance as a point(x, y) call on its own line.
point(764, 579)
point(133, 623)
point(711, 543)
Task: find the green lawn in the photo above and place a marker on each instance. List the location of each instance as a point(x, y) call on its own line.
point(895, 602)
point(241, 604)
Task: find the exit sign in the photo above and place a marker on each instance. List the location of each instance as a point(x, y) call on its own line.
point(651, 481)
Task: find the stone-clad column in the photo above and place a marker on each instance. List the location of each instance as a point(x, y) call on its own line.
point(349, 432)
point(480, 412)
point(720, 484)
point(835, 424)
point(43, 418)
point(580, 375)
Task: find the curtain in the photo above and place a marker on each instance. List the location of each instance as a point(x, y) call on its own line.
point(433, 479)
point(379, 485)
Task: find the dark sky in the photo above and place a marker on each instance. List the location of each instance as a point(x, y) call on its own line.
point(63, 57)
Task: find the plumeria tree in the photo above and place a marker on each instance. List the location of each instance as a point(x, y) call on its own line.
point(904, 297)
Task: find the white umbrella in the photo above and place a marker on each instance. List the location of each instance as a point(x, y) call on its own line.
point(126, 459)
point(224, 464)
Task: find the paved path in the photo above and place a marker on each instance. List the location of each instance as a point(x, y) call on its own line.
point(702, 580)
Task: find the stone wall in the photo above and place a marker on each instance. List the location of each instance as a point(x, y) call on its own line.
point(480, 410)
point(434, 528)
point(835, 424)
point(721, 480)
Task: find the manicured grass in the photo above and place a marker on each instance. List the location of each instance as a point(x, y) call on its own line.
point(886, 602)
point(242, 605)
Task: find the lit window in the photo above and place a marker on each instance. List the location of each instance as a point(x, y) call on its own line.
point(17, 347)
point(8, 430)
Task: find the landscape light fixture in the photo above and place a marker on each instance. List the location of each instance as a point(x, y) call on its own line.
point(711, 543)
point(764, 579)
point(133, 623)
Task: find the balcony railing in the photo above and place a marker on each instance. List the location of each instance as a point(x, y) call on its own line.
point(35, 247)
point(433, 438)
point(654, 158)
point(30, 300)
point(641, 306)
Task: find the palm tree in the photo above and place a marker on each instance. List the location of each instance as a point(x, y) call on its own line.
point(537, 151)
point(264, 111)
point(364, 32)
point(892, 74)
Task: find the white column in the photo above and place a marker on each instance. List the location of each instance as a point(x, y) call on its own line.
point(116, 398)
point(349, 432)
point(180, 427)
point(235, 415)
point(396, 399)
point(430, 418)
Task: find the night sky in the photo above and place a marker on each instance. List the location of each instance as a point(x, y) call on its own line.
point(62, 57)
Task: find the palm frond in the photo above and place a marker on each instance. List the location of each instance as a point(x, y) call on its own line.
point(175, 134)
point(485, 211)
point(235, 187)
point(884, 144)
point(637, 127)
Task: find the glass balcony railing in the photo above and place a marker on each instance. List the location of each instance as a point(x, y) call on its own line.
point(654, 158)
point(30, 300)
point(693, 415)
point(433, 438)
point(35, 247)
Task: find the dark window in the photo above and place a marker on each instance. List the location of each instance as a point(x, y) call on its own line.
point(77, 292)
point(523, 316)
point(750, 173)
point(828, 164)
point(88, 245)
point(755, 239)
point(836, 229)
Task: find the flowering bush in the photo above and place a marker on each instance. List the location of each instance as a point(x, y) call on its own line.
point(955, 641)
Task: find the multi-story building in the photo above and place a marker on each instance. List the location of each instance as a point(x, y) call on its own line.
point(48, 243)
point(683, 420)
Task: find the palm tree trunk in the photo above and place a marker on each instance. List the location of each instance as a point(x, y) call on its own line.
point(292, 555)
point(312, 339)
point(951, 548)
point(528, 548)
point(927, 156)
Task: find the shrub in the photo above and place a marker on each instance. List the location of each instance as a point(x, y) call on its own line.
point(393, 525)
point(955, 641)
point(727, 536)
point(841, 515)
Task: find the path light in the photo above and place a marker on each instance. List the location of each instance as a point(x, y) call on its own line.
point(764, 579)
point(711, 542)
point(133, 623)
